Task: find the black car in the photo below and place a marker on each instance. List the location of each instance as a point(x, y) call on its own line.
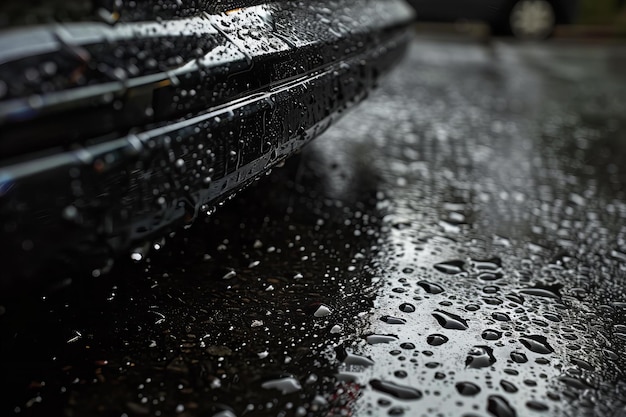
point(525, 19)
point(121, 120)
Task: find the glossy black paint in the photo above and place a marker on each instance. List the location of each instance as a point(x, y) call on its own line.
point(29, 12)
point(137, 127)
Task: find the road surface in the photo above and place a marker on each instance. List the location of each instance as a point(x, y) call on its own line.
point(454, 246)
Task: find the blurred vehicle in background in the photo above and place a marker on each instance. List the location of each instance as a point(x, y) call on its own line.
point(525, 19)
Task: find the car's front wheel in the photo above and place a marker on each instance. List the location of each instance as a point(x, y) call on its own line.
point(532, 19)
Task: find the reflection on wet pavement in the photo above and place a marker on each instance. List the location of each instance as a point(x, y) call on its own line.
point(455, 246)
point(503, 224)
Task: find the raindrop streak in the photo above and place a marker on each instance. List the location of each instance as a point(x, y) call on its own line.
point(450, 267)
point(430, 287)
point(536, 343)
point(499, 407)
point(480, 357)
point(436, 339)
point(450, 321)
point(467, 388)
point(392, 320)
point(395, 390)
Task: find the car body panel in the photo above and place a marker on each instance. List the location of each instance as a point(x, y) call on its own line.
point(94, 168)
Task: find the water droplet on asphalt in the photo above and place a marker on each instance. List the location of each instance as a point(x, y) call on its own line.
point(491, 334)
point(354, 359)
point(518, 357)
point(396, 390)
point(285, 385)
point(450, 320)
point(450, 267)
point(500, 407)
point(393, 320)
point(230, 275)
point(407, 308)
point(467, 388)
point(582, 364)
point(548, 291)
point(322, 311)
point(537, 406)
point(436, 339)
point(375, 339)
point(493, 264)
point(431, 288)
point(574, 382)
point(536, 343)
point(489, 276)
point(500, 316)
point(508, 386)
point(480, 357)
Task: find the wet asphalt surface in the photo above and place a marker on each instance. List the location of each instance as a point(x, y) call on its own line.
point(454, 246)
